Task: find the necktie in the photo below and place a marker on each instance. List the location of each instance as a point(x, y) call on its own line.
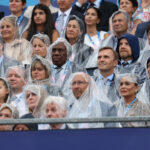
point(125, 64)
point(60, 24)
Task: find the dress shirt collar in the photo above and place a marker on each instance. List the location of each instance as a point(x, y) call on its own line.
point(109, 78)
point(19, 95)
point(129, 61)
point(66, 12)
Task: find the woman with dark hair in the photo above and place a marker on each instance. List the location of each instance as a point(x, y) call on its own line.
point(41, 22)
point(93, 37)
point(74, 33)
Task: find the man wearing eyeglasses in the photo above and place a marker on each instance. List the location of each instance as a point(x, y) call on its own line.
point(88, 102)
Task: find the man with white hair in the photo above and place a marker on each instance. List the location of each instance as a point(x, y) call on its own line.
point(17, 81)
point(62, 67)
point(55, 107)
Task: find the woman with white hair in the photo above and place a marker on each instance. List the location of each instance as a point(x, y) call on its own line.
point(130, 105)
point(14, 47)
point(55, 107)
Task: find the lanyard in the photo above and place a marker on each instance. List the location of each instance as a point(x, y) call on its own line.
point(20, 19)
point(129, 106)
point(98, 35)
point(64, 74)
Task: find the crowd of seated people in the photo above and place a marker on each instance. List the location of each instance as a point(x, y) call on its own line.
point(89, 59)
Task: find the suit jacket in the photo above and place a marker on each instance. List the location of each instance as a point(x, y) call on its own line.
point(141, 28)
point(108, 110)
point(106, 9)
point(7, 62)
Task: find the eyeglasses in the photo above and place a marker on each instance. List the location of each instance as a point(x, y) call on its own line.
point(79, 83)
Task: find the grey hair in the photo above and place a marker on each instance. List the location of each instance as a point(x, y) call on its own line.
point(66, 43)
point(60, 101)
point(132, 77)
point(42, 37)
point(125, 14)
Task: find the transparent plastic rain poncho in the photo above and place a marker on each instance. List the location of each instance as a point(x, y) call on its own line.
point(135, 107)
point(66, 43)
point(5, 83)
point(40, 92)
point(145, 53)
point(88, 105)
point(51, 89)
point(144, 93)
point(44, 38)
point(17, 48)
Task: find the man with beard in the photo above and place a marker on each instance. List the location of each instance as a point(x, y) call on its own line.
point(129, 50)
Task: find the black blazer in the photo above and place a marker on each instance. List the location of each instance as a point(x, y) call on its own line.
point(141, 29)
point(106, 9)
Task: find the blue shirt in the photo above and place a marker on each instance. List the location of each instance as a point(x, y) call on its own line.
point(108, 79)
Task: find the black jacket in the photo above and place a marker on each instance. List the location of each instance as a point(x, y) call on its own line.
point(106, 9)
